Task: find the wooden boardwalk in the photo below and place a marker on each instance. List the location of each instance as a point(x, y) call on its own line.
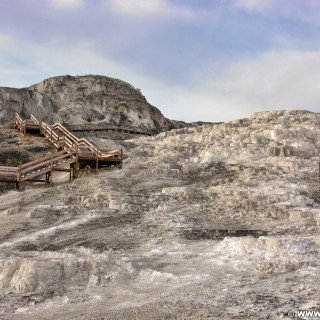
point(73, 155)
point(106, 128)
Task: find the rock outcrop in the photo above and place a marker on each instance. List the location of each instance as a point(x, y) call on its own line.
point(79, 100)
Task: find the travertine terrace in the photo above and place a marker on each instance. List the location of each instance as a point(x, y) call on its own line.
point(210, 222)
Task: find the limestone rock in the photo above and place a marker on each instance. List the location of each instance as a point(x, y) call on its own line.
point(82, 100)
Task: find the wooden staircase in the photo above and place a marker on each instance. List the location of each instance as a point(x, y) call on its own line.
point(73, 155)
point(33, 170)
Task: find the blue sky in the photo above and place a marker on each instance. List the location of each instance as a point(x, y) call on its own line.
point(195, 60)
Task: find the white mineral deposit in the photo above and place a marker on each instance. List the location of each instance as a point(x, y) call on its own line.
point(219, 221)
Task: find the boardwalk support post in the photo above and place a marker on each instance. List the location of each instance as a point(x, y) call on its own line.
point(18, 178)
point(49, 174)
point(97, 160)
point(75, 174)
point(121, 154)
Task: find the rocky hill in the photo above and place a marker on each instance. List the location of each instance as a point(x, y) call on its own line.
point(208, 222)
point(81, 100)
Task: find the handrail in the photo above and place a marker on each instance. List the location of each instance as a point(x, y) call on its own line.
point(8, 171)
point(34, 119)
point(17, 121)
point(25, 165)
point(49, 160)
point(92, 127)
point(65, 130)
point(8, 168)
point(72, 136)
point(67, 140)
point(72, 147)
point(48, 129)
point(18, 118)
point(38, 166)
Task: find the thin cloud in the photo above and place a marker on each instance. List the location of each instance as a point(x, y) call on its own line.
point(261, 6)
point(147, 8)
point(67, 4)
point(208, 70)
point(307, 11)
point(140, 7)
point(272, 80)
point(37, 62)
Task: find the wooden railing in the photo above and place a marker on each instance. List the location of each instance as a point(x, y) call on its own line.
point(18, 123)
point(38, 167)
point(34, 119)
point(22, 125)
point(8, 173)
point(59, 142)
point(68, 140)
point(80, 142)
point(46, 164)
point(65, 140)
point(95, 128)
point(84, 145)
point(71, 150)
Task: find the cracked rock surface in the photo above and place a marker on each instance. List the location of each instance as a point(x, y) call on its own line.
point(211, 222)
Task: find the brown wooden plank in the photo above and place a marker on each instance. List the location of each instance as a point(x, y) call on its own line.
point(8, 174)
point(26, 165)
point(61, 169)
point(72, 136)
point(43, 171)
point(33, 118)
point(42, 164)
point(8, 168)
point(35, 185)
point(36, 174)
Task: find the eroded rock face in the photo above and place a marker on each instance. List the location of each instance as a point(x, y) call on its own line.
point(25, 102)
point(84, 100)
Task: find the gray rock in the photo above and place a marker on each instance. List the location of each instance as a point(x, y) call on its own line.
point(81, 100)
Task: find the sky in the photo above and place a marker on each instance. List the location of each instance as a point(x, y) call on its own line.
point(195, 60)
